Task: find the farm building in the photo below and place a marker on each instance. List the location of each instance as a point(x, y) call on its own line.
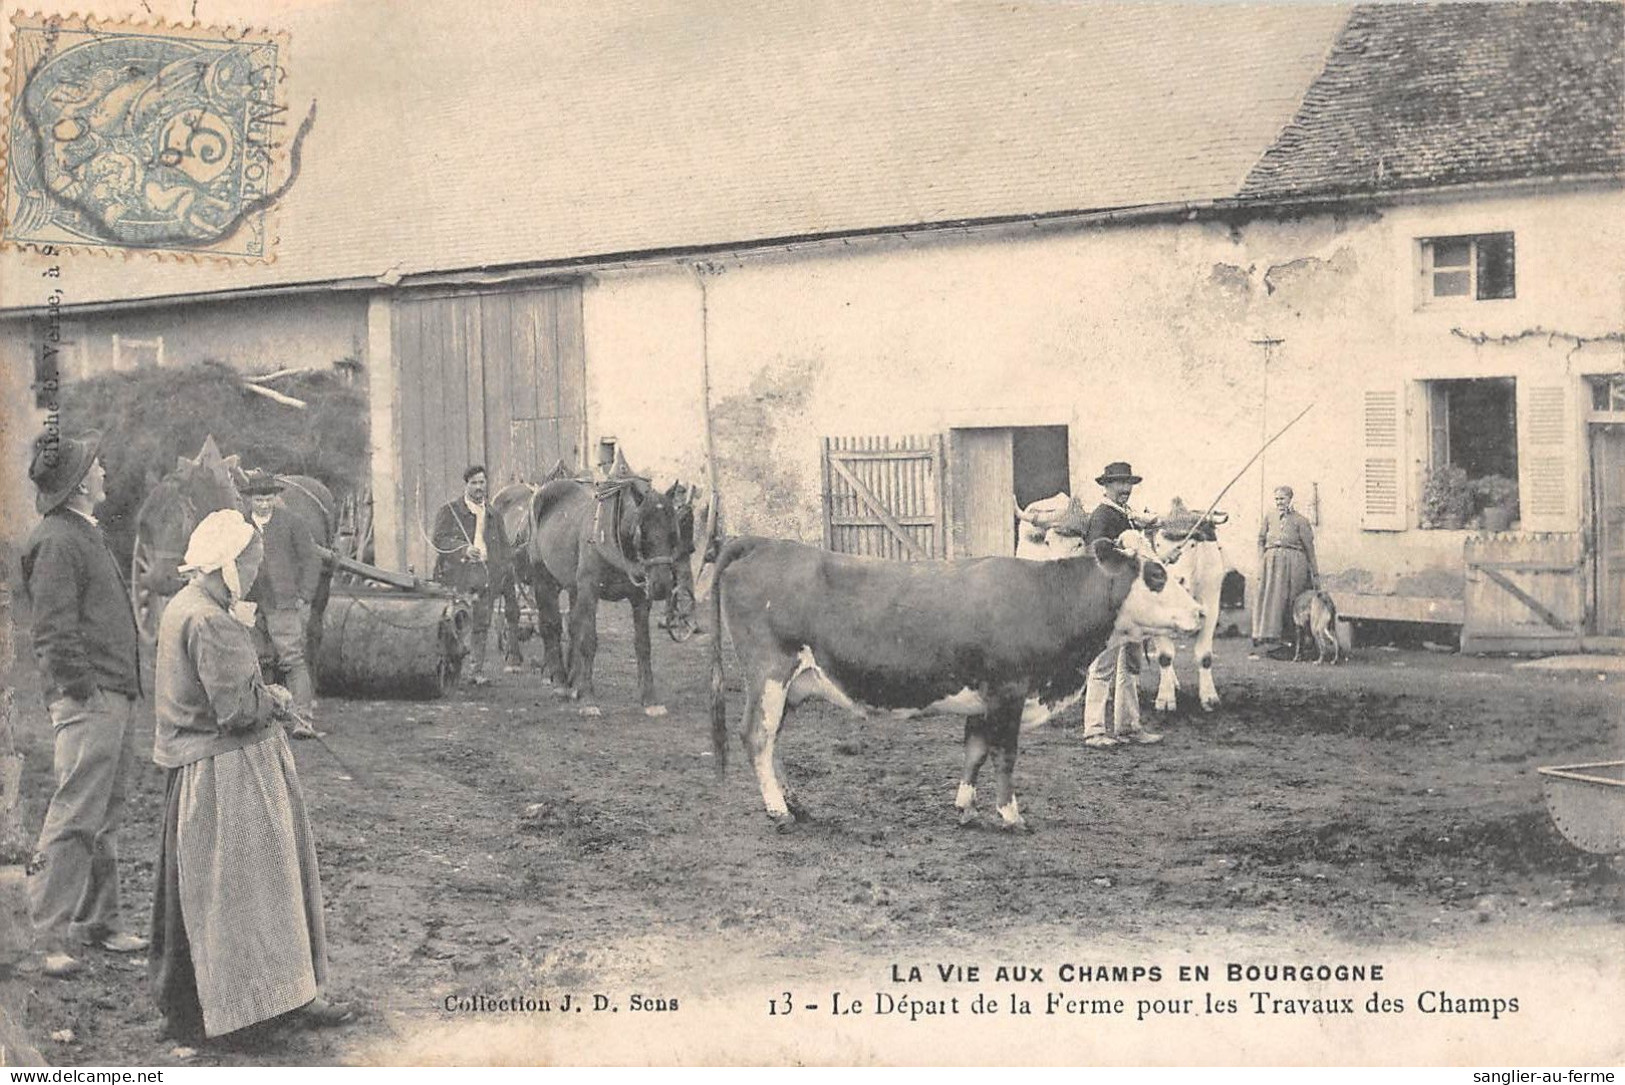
point(887, 268)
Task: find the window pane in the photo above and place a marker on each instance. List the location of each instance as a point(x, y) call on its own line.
point(1450, 284)
point(1607, 393)
point(1452, 251)
point(1495, 266)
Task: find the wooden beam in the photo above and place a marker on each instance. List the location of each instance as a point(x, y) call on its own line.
point(881, 453)
point(1398, 608)
point(275, 397)
point(881, 512)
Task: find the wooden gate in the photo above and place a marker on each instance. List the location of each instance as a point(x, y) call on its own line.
point(883, 497)
point(1525, 593)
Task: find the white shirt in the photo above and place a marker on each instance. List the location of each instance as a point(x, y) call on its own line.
point(476, 545)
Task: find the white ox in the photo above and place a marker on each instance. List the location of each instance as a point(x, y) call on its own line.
point(1191, 554)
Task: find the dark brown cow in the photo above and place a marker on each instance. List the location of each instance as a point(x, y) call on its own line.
point(1000, 641)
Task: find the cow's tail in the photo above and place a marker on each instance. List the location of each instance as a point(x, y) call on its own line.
point(733, 549)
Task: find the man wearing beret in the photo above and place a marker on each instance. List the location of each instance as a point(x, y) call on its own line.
point(86, 647)
point(1114, 675)
point(289, 577)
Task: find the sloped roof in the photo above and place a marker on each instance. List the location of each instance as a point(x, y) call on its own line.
point(452, 136)
point(1441, 94)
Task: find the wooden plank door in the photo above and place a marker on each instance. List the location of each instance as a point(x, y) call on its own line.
point(442, 409)
point(533, 377)
point(1608, 483)
point(883, 496)
point(1524, 592)
point(493, 378)
point(984, 492)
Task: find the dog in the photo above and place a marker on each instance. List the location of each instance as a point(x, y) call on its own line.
point(1314, 617)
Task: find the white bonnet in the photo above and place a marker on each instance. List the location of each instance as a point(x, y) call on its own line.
point(216, 543)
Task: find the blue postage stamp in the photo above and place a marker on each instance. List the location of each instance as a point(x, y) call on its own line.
point(153, 138)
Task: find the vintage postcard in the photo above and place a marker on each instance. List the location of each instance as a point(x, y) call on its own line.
point(915, 533)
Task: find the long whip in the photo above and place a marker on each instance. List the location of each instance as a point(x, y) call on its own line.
point(307, 729)
point(1244, 467)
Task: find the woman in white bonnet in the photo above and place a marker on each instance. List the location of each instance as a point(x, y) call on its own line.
point(237, 930)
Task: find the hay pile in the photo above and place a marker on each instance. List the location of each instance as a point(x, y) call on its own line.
point(151, 417)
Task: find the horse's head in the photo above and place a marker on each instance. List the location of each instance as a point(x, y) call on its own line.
point(181, 499)
point(209, 481)
point(650, 537)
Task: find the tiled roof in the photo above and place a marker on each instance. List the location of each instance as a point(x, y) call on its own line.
point(452, 136)
point(1441, 94)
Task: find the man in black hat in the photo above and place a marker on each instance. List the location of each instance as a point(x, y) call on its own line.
point(1114, 675)
point(86, 647)
point(289, 577)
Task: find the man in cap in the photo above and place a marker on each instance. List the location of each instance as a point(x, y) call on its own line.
point(86, 646)
point(288, 580)
point(1114, 675)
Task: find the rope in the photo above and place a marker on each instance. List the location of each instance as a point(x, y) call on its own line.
point(377, 615)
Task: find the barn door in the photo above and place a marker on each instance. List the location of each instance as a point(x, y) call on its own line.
point(984, 492)
point(493, 378)
point(1524, 593)
point(533, 380)
point(883, 496)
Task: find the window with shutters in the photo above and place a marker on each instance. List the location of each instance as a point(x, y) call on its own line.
point(1468, 267)
point(1472, 445)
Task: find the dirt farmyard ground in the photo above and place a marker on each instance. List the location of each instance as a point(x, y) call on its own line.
point(499, 844)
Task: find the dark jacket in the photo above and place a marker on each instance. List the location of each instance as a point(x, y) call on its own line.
point(84, 628)
point(1106, 522)
point(453, 533)
point(292, 568)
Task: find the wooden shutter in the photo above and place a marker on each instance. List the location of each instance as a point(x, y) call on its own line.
point(1382, 475)
point(1547, 454)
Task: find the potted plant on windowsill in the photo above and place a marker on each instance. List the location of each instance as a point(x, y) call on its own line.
point(1447, 499)
point(1498, 498)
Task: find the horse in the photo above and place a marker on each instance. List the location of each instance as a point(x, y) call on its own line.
point(179, 501)
point(514, 505)
point(611, 542)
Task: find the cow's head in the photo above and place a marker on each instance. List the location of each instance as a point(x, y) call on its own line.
point(1155, 604)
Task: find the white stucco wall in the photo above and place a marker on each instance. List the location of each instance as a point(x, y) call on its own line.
point(1139, 338)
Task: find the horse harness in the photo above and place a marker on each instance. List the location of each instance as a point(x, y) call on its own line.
point(606, 539)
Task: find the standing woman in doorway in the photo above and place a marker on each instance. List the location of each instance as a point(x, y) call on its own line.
point(1286, 568)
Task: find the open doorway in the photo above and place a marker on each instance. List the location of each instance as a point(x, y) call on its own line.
point(993, 467)
point(1041, 467)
